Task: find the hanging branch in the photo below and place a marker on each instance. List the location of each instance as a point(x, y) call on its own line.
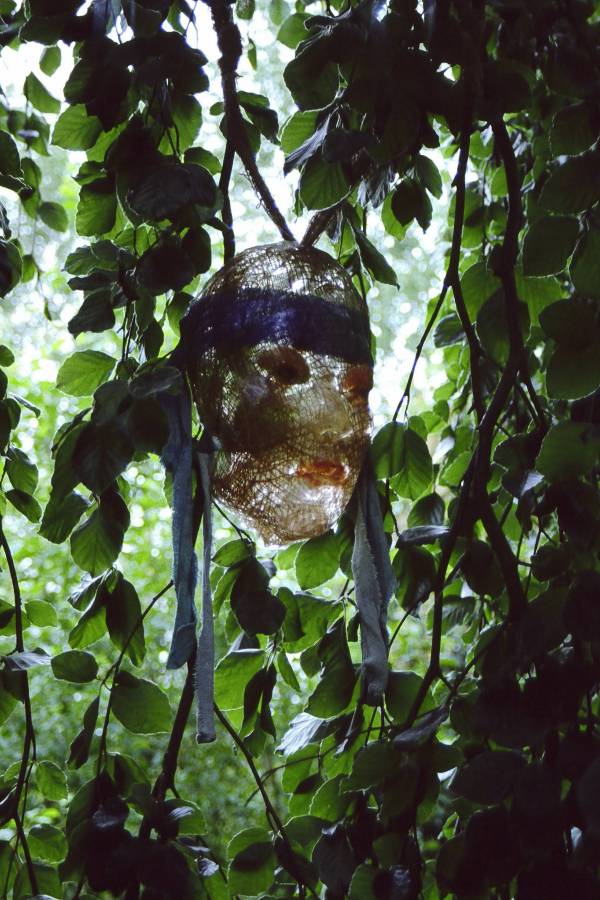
point(272, 815)
point(166, 778)
point(230, 46)
point(228, 234)
point(29, 739)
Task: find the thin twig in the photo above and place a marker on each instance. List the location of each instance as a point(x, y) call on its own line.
point(272, 815)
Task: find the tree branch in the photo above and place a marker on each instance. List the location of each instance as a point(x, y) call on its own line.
point(230, 47)
point(228, 234)
point(29, 738)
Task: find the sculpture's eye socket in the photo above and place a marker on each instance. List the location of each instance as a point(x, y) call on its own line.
point(285, 364)
point(356, 384)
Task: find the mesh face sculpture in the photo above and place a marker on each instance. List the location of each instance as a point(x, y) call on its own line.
point(277, 350)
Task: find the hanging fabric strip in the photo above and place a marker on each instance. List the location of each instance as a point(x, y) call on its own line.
point(205, 655)
point(177, 459)
point(374, 584)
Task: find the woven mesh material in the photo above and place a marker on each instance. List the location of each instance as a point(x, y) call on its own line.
point(292, 425)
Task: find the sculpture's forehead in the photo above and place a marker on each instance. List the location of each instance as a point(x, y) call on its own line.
point(284, 294)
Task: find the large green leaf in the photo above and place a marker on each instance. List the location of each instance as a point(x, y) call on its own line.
point(97, 208)
point(252, 862)
point(323, 184)
point(567, 451)
point(317, 560)
point(39, 95)
point(399, 451)
point(585, 265)
point(549, 243)
point(140, 705)
point(96, 544)
point(574, 186)
point(75, 129)
point(81, 373)
point(75, 665)
point(124, 620)
point(233, 673)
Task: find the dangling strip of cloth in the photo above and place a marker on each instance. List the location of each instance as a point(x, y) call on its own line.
point(374, 584)
point(205, 656)
point(177, 459)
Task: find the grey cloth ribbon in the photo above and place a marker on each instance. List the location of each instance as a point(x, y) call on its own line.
point(177, 459)
point(205, 656)
point(374, 584)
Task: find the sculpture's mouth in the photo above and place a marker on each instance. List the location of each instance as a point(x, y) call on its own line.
point(320, 472)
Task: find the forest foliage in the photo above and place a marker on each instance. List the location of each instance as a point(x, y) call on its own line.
point(480, 775)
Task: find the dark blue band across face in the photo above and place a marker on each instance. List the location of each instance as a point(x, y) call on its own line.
point(251, 316)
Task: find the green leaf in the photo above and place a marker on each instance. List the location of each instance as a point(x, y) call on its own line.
point(549, 243)
point(337, 679)
point(572, 130)
point(23, 474)
point(97, 207)
point(165, 190)
point(26, 504)
point(79, 750)
point(140, 705)
point(95, 314)
point(478, 284)
point(410, 201)
point(102, 452)
point(96, 544)
point(10, 164)
point(81, 373)
point(47, 842)
point(39, 96)
point(124, 620)
point(252, 862)
point(567, 451)
point(7, 357)
point(317, 560)
point(186, 113)
point(232, 674)
point(571, 323)
point(488, 777)
point(50, 60)
point(389, 220)
point(322, 184)
point(165, 266)
point(75, 129)
point(374, 261)
point(401, 692)
point(51, 780)
point(293, 31)
point(574, 186)
point(398, 450)
point(298, 129)
point(90, 627)
point(574, 372)
point(41, 613)
point(429, 175)
point(76, 666)
point(54, 216)
point(585, 265)
point(233, 552)
point(61, 515)
point(11, 267)
point(372, 764)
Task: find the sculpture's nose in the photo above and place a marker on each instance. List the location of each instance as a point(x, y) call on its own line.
point(332, 417)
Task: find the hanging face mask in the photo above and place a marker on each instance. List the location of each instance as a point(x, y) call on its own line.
point(277, 352)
